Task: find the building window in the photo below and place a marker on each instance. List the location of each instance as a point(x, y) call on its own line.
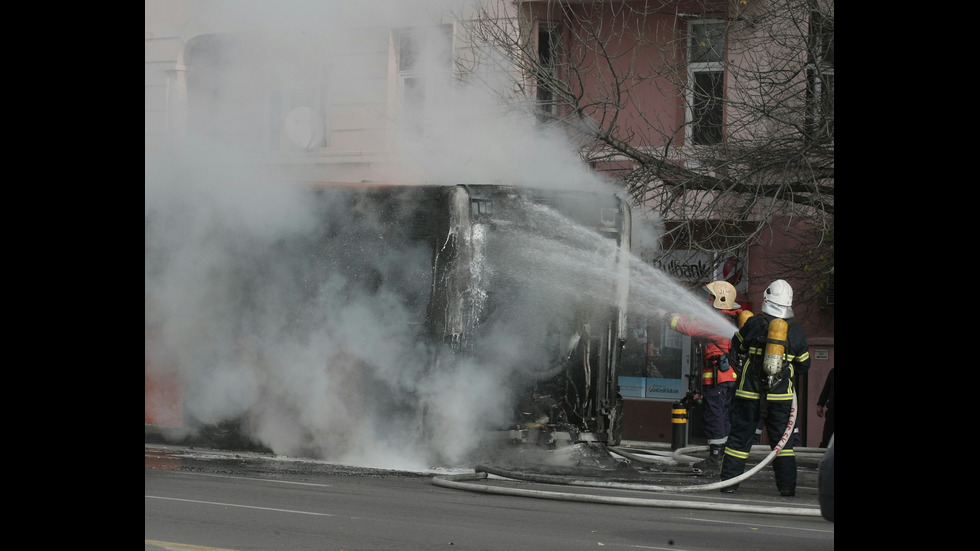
point(820, 75)
point(548, 67)
point(706, 82)
point(425, 63)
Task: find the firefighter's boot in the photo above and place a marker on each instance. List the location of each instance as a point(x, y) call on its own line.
point(712, 465)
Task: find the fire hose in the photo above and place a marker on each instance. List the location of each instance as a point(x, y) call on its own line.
point(462, 481)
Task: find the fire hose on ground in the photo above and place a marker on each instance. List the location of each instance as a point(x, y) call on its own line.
point(463, 482)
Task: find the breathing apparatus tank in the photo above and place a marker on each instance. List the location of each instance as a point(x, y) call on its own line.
point(743, 317)
point(772, 361)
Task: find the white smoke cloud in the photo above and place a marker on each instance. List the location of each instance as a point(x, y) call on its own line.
point(263, 301)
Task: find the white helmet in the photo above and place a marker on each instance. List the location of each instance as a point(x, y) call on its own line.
point(778, 299)
point(724, 293)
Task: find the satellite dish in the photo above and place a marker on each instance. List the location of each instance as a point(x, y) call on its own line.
point(301, 128)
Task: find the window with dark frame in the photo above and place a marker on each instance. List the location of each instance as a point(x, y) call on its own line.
point(820, 77)
point(706, 82)
point(547, 64)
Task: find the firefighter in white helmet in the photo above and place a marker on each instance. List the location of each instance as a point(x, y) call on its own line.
point(717, 376)
point(765, 389)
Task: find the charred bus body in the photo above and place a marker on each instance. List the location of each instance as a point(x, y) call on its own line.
point(545, 273)
point(528, 284)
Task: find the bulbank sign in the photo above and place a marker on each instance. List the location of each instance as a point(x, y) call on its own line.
point(693, 266)
point(699, 267)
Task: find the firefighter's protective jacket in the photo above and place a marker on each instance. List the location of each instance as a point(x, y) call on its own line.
point(716, 346)
point(751, 340)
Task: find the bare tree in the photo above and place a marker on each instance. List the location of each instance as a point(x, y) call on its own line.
point(718, 116)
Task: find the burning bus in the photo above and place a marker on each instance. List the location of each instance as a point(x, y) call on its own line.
point(523, 288)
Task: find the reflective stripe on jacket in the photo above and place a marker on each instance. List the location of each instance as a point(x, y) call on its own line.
point(750, 340)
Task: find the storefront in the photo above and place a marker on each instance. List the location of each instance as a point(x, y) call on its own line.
point(661, 366)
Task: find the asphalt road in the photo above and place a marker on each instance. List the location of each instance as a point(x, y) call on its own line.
point(211, 499)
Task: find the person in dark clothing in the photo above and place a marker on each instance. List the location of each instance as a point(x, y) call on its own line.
point(825, 409)
point(765, 394)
